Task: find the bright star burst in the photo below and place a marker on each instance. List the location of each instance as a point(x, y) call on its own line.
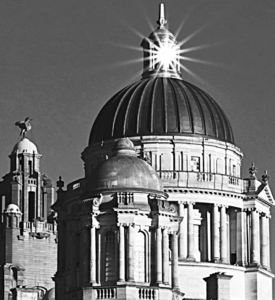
point(168, 54)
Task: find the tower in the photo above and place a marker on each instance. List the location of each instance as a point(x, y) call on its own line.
point(28, 229)
point(217, 222)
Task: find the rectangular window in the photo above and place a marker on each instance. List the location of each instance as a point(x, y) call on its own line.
point(195, 163)
point(31, 206)
point(234, 170)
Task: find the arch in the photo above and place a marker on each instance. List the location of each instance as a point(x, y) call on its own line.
point(14, 277)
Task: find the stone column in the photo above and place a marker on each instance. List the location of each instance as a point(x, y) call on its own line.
point(99, 255)
point(131, 258)
point(223, 226)
point(175, 280)
point(190, 235)
point(93, 256)
point(255, 242)
point(121, 275)
point(264, 241)
point(158, 255)
point(241, 259)
point(182, 252)
point(268, 241)
point(216, 234)
point(165, 256)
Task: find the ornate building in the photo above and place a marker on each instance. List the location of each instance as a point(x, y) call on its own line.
point(28, 246)
point(163, 213)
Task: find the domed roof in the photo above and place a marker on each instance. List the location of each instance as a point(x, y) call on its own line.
point(25, 146)
point(124, 171)
point(12, 208)
point(161, 106)
point(50, 295)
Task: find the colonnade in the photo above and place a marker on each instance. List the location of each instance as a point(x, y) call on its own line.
point(126, 256)
point(251, 233)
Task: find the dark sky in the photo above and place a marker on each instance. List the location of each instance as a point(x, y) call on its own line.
point(62, 60)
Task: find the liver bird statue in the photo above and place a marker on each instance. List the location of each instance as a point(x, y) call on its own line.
point(25, 126)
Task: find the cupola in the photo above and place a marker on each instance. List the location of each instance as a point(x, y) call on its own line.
point(124, 170)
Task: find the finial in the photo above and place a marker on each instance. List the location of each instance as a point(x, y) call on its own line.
point(253, 171)
point(265, 177)
point(25, 126)
point(60, 183)
point(161, 21)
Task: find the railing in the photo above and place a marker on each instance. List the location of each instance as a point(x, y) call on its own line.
point(233, 180)
point(147, 293)
point(106, 293)
point(168, 175)
point(204, 176)
point(192, 179)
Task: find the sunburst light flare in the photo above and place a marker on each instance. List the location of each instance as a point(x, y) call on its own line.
point(163, 55)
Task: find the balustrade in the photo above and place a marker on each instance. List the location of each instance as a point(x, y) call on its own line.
point(106, 293)
point(147, 293)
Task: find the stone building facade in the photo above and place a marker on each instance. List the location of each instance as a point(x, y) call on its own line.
point(28, 247)
point(172, 219)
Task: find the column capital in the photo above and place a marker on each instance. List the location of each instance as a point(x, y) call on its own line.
point(187, 202)
point(217, 205)
point(224, 205)
point(251, 209)
point(122, 224)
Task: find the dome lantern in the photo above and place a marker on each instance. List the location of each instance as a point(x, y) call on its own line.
point(161, 51)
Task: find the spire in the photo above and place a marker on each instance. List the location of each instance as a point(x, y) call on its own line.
point(161, 21)
point(161, 51)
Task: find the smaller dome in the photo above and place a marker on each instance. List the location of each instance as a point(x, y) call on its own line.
point(25, 146)
point(162, 35)
point(12, 208)
point(50, 295)
point(124, 171)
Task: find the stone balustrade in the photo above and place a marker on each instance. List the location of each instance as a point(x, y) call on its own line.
point(106, 293)
point(207, 180)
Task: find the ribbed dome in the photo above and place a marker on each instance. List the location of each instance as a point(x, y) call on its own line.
point(161, 106)
point(124, 171)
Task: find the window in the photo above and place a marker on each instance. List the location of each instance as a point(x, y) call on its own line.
point(140, 257)
point(3, 206)
point(31, 206)
point(234, 170)
point(195, 163)
point(110, 258)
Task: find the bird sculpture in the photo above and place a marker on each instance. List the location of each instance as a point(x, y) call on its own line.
point(25, 126)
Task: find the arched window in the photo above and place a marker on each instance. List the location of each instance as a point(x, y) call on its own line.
point(140, 257)
point(14, 277)
point(110, 256)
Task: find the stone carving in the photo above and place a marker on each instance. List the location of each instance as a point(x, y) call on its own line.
point(173, 208)
point(16, 177)
point(253, 171)
point(97, 200)
point(265, 177)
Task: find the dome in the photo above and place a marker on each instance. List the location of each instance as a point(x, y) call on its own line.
point(162, 34)
point(50, 295)
point(12, 208)
point(25, 146)
point(161, 106)
point(124, 171)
